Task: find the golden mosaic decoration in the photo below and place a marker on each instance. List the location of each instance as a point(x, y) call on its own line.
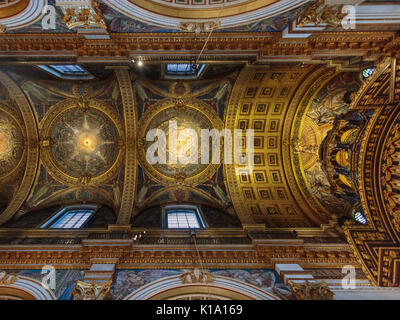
point(82, 145)
point(193, 114)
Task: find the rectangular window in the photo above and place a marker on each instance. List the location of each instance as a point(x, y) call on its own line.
point(69, 69)
point(72, 219)
point(181, 68)
point(183, 219)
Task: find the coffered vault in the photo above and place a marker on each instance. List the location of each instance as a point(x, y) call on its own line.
point(77, 100)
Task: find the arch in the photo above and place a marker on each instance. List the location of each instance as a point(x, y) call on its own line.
point(23, 288)
point(376, 245)
point(22, 14)
point(223, 288)
point(32, 155)
point(234, 13)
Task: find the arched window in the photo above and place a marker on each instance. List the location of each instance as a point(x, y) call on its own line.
point(71, 217)
point(182, 217)
point(360, 218)
point(368, 72)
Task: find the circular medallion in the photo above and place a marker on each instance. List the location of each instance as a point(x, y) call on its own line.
point(82, 144)
point(182, 127)
point(12, 143)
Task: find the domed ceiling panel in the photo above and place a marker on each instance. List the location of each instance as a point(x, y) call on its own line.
point(12, 143)
point(188, 114)
point(82, 144)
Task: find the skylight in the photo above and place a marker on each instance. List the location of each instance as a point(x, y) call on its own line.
point(69, 219)
point(69, 69)
point(183, 219)
point(183, 70)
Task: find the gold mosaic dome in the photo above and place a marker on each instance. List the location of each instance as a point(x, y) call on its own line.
point(84, 142)
point(186, 117)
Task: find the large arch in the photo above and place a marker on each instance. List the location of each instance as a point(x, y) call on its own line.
point(14, 287)
point(222, 288)
point(229, 14)
point(22, 13)
point(377, 244)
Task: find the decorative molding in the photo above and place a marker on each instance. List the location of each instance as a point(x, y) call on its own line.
point(130, 255)
point(244, 46)
point(130, 116)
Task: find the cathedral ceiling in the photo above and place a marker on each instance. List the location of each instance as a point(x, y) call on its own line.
point(83, 131)
point(84, 141)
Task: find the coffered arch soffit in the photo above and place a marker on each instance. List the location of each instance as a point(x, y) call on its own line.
point(266, 99)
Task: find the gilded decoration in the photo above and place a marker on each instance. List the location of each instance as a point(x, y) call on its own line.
point(82, 143)
point(83, 16)
point(318, 290)
point(12, 143)
point(130, 117)
point(328, 98)
point(7, 279)
point(91, 291)
point(322, 13)
point(376, 245)
point(188, 114)
point(196, 276)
